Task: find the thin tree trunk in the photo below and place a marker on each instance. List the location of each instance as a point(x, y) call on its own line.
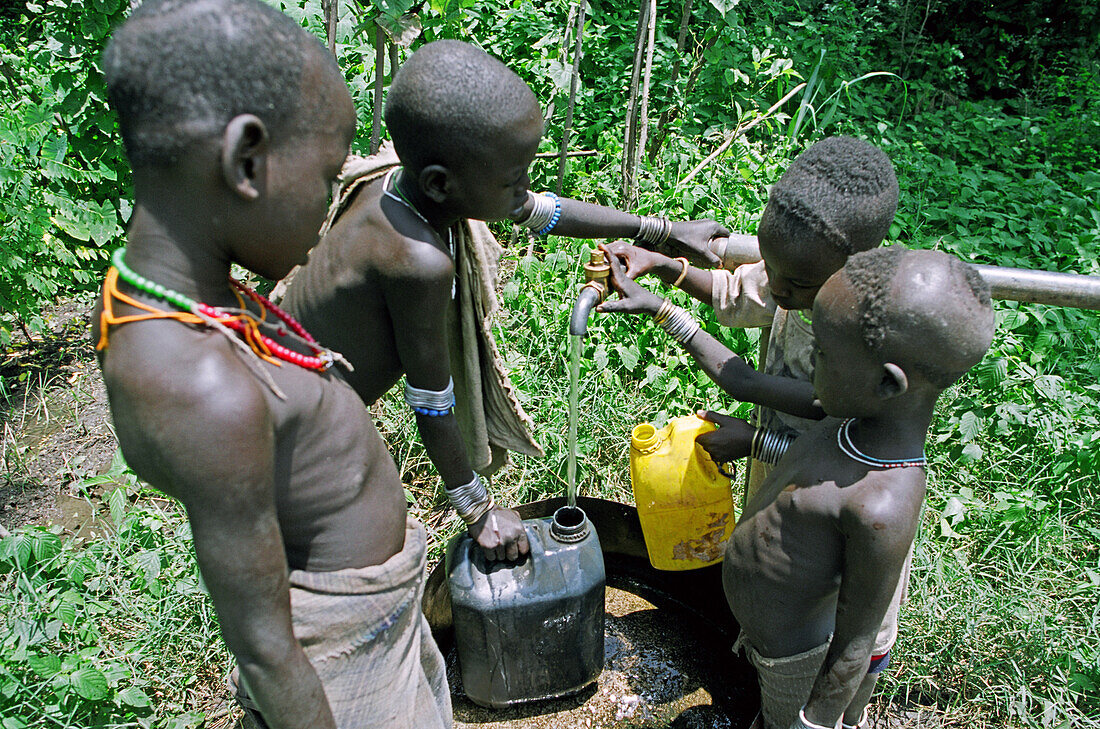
point(579, 34)
point(662, 122)
point(643, 124)
point(330, 8)
point(630, 137)
point(379, 77)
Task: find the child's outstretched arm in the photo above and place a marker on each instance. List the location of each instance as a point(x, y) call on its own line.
point(733, 374)
point(417, 299)
point(547, 213)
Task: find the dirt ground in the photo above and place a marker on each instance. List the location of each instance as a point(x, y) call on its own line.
point(57, 431)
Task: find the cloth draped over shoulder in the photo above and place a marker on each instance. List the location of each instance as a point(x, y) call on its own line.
point(489, 414)
point(364, 633)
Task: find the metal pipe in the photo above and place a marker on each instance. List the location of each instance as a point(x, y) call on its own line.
point(1042, 287)
point(1013, 284)
point(578, 322)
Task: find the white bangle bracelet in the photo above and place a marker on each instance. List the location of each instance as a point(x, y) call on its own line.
point(805, 723)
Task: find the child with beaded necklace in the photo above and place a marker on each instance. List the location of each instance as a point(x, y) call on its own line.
point(816, 559)
point(236, 122)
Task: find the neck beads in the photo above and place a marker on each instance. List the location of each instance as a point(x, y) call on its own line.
point(848, 448)
point(241, 322)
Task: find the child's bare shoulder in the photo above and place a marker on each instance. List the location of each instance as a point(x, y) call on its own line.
point(380, 235)
point(177, 391)
point(884, 501)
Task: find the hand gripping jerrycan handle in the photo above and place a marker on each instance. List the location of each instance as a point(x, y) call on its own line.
point(531, 629)
point(684, 503)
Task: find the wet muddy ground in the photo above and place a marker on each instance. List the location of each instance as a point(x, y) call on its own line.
point(652, 677)
point(54, 427)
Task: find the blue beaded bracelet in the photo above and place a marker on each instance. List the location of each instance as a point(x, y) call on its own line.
point(554, 218)
point(432, 413)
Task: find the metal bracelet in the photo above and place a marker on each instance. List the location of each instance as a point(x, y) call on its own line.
point(768, 446)
point(545, 211)
point(653, 230)
point(683, 270)
point(804, 723)
point(861, 724)
point(471, 500)
point(676, 322)
point(431, 399)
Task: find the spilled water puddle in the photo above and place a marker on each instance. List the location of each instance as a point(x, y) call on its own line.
point(657, 673)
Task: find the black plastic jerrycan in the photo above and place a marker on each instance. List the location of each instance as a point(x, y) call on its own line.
point(534, 629)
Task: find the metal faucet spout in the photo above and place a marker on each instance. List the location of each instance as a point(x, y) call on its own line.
point(586, 302)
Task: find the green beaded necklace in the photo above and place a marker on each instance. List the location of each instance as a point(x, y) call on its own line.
point(322, 358)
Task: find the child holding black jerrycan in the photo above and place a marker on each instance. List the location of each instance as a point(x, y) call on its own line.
point(404, 279)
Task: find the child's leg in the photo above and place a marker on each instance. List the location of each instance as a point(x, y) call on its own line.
point(854, 713)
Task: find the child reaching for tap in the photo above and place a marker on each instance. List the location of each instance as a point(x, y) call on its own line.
point(837, 198)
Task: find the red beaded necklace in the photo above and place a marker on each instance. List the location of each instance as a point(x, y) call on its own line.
point(242, 322)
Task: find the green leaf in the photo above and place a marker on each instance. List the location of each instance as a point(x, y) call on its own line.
point(95, 25)
point(116, 501)
point(149, 563)
point(45, 666)
point(970, 424)
point(45, 545)
point(971, 452)
point(89, 683)
point(629, 355)
point(133, 696)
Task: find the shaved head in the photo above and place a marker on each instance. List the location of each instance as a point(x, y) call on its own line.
point(179, 70)
point(924, 310)
point(451, 101)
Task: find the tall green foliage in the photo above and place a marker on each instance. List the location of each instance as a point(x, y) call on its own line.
point(63, 178)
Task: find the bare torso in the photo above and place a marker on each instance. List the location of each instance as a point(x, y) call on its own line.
point(341, 296)
point(338, 498)
point(786, 558)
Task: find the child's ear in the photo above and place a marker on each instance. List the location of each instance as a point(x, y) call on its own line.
point(894, 381)
point(244, 155)
point(435, 183)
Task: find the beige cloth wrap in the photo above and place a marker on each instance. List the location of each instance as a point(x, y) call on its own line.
point(490, 417)
point(365, 635)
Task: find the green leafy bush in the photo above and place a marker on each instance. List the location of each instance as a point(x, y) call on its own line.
point(64, 189)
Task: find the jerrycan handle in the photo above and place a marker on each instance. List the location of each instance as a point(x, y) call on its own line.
point(644, 438)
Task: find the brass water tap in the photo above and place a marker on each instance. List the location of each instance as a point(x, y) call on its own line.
point(597, 271)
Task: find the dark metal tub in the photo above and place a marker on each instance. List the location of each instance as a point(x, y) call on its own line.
point(696, 595)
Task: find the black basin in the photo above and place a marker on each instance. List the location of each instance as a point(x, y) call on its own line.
point(695, 596)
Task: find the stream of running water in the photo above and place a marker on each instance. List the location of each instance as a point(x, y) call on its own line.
point(576, 342)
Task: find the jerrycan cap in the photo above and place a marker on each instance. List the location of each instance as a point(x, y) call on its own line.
point(570, 525)
point(644, 438)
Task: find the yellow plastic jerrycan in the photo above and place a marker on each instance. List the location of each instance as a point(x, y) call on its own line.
point(684, 503)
